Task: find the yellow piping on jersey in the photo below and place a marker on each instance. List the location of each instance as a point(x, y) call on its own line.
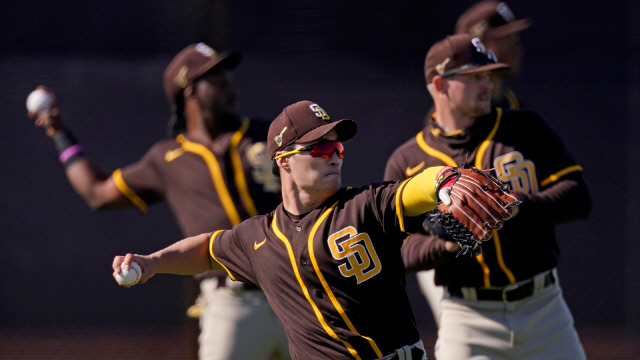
point(294, 265)
point(433, 152)
point(241, 181)
point(216, 176)
point(485, 144)
point(127, 192)
point(485, 268)
point(326, 287)
point(511, 98)
point(560, 174)
point(507, 271)
point(211, 239)
point(399, 204)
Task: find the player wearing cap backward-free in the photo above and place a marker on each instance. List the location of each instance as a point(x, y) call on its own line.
point(498, 29)
point(505, 303)
point(328, 258)
point(496, 25)
point(214, 172)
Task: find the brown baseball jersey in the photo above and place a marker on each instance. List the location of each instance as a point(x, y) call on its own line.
point(334, 275)
point(208, 186)
point(530, 158)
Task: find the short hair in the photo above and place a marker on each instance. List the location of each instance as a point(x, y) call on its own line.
point(275, 170)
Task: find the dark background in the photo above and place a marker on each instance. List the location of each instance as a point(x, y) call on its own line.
point(357, 59)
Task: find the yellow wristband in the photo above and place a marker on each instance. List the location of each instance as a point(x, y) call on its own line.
point(419, 195)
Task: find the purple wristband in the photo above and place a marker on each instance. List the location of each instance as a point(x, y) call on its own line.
point(69, 152)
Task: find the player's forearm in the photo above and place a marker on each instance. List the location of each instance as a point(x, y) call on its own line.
point(419, 195)
point(98, 190)
point(425, 252)
point(189, 256)
point(89, 182)
point(567, 200)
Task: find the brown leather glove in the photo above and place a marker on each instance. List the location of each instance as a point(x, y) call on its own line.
point(471, 203)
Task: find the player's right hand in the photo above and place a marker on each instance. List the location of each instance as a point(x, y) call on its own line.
point(48, 119)
point(147, 264)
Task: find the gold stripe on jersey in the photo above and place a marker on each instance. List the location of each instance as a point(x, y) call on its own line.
point(511, 98)
point(485, 270)
point(211, 239)
point(399, 204)
point(216, 176)
point(326, 287)
point(127, 192)
point(505, 269)
point(241, 181)
point(305, 291)
point(433, 152)
point(486, 142)
point(481, 150)
point(560, 174)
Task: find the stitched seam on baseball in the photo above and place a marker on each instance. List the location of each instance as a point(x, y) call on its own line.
point(136, 271)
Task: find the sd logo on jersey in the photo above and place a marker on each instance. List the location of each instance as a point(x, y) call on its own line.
point(517, 172)
point(357, 248)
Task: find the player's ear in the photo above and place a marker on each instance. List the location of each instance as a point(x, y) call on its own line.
point(283, 162)
point(438, 83)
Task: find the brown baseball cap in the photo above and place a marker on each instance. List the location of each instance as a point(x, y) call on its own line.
point(192, 62)
point(459, 54)
point(303, 122)
point(489, 20)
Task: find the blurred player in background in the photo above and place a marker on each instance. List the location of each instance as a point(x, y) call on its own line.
point(506, 303)
point(214, 172)
point(494, 23)
point(328, 257)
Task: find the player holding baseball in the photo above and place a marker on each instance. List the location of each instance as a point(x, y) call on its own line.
point(496, 25)
point(214, 173)
point(328, 258)
point(506, 303)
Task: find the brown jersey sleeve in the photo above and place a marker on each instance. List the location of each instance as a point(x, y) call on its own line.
point(235, 249)
point(423, 252)
point(141, 182)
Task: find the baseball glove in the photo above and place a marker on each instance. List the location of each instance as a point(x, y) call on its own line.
point(471, 203)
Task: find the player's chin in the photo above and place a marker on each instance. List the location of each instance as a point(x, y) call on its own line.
point(331, 182)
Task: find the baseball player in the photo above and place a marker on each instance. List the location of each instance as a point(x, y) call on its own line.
point(506, 303)
point(494, 23)
point(214, 173)
point(328, 258)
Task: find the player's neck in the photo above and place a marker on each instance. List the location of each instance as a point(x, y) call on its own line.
point(298, 201)
point(207, 126)
point(451, 121)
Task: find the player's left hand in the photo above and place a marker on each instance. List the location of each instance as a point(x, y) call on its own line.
point(472, 203)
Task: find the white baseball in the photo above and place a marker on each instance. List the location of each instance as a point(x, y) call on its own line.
point(39, 100)
point(131, 276)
